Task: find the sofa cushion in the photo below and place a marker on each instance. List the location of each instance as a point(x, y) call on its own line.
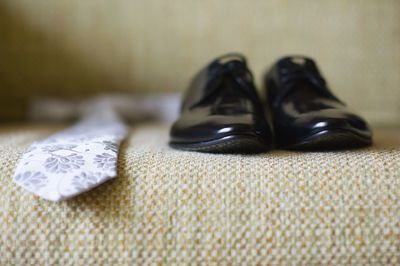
point(169, 206)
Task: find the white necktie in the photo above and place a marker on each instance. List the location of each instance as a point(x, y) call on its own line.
point(76, 159)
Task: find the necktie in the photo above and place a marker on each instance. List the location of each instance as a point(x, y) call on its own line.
point(76, 159)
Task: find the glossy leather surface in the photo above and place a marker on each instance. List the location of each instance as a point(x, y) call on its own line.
point(302, 104)
point(221, 101)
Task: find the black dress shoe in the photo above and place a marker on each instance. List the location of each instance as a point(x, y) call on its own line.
point(221, 111)
point(305, 113)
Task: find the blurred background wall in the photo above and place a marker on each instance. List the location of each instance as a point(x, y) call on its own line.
point(72, 48)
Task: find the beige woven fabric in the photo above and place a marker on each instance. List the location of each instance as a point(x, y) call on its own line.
point(172, 207)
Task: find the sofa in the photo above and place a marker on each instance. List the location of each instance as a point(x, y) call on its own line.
point(169, 207)
point(186, 208)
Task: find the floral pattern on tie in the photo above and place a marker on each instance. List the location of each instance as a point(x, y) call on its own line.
point(74, 160)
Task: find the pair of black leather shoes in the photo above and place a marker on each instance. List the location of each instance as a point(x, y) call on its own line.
point(222, 112)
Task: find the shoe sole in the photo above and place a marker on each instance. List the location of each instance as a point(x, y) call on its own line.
point(234, 144)
point(337, 139)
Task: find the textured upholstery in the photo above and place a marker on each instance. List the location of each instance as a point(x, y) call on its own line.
point(167, 206)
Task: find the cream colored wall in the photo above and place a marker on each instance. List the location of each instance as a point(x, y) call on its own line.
point(70, 47)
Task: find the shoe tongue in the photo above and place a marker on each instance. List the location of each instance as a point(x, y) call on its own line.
point(229, 58)
point(298, 62)
point(234, 62)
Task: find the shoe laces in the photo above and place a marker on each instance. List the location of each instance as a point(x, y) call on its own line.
point(229, 66)
point(292, 73)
